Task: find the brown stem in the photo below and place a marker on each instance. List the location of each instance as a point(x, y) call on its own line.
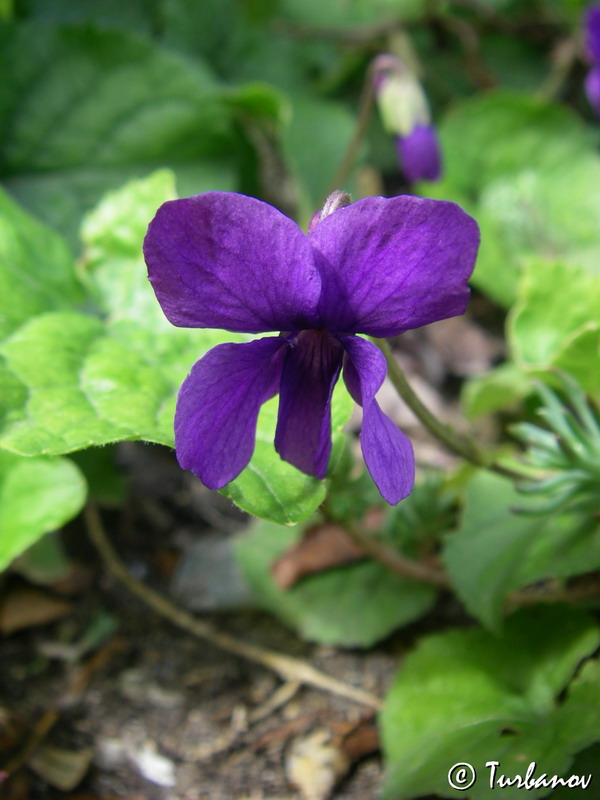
point(407, 568)
point(289, 668)
point(400, 565)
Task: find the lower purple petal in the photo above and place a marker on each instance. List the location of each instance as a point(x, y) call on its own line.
point(388, 453)
point(419, 154)
point(310, 371)
point(218, 405)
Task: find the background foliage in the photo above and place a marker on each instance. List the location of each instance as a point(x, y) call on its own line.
point(109, 109)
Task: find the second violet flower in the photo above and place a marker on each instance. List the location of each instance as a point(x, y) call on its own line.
point(377, 267)
point(592, 35)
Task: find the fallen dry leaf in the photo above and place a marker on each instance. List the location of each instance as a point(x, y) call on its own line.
point(25, 607)
point(361, 741)
point(63, 769)
point(322, 547)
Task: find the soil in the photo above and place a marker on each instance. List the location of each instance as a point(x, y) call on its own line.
point(111, 701)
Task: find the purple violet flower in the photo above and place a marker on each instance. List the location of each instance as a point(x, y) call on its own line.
point(378, 267)
point(405, 115)
point(592, 81)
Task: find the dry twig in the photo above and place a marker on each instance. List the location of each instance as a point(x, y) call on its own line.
point(289, 668)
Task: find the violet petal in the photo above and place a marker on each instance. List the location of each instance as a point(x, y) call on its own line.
point(592, 89)
point(387, 451)
point(224, 260)
point(592, 28)
point(419, 154)
point(218, 405)
point(391, 264)
point(310, 371)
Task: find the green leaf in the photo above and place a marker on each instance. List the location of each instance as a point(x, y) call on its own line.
point(112, 264)
point(563, 548)
point(45, 562)
point(495, 390)
point(557, 300)
point(468, 696)
point(554, 324)
point(36, 268)
point(511, 160)
point(524, 215)
point(350, 606)
point(318, 133)
point(74, 381)
point(208, 28)
point(96, 107)
point(495, 551)
point(37, 495)
point(135, 15)
point(271, 488)
point(119, 98)
point(340, 13)
point(579, 351)
point(483, 555)
point(87, 385)
point(499, 133)
point(106, 482)
point(260, 100)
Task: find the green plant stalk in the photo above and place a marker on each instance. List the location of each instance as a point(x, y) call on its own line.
point(462, 445)
point(365, 109)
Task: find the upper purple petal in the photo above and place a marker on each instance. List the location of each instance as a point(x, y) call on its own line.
point(224, 260)
point(218, 405)
point(592, 89)
point(387, 451)
point(592, 29)
point(310, 371)
point(391, 264)
point(419, 154)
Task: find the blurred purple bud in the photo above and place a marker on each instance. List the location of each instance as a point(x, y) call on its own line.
point(405, 115)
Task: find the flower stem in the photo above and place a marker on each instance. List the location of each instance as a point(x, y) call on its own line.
point(394, 561)
point(365, 109)
point(462, 445)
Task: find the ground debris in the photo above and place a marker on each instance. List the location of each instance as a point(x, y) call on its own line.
point(315, 765)
point(25, 607)
point(323, 546)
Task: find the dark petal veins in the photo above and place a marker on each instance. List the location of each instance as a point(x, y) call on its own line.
point(224, 260)
point(218, 405)
point(310, 371)
point(391, 264)
point(387, 451)
point(419, 154)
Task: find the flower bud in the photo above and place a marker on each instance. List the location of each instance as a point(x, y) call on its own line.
point(405, 115)
point(592, 46)
point(337, 199)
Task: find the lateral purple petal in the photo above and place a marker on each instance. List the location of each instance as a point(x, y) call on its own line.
point(592, 28)
point(218, 405)
point(391, 264)
point(388, 453)
point(310, 371)
point(419, 154)
point(224, 260)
